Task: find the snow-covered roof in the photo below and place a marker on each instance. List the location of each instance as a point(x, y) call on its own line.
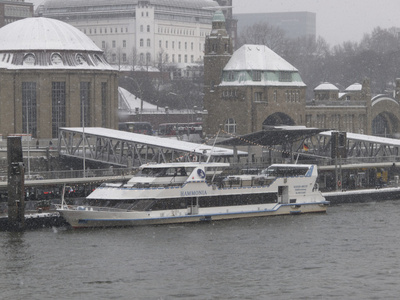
point(326, 86)
point(43, 43)
point(257, 57)
point(154, 141)
point(198, 4)
point(381, 97)
point(355, 87)
point(132, 102)
point(44, 34)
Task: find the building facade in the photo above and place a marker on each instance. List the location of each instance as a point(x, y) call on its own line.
point(294, 24)
point(139, 32)
point(253, 87)
point(52, 76)
point(14, 10)
point(249, 88)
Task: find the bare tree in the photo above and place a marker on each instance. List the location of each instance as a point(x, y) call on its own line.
point(262, 33)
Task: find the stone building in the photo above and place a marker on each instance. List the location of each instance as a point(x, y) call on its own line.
point(253, 87)
point(250, 88)
point(52, 76)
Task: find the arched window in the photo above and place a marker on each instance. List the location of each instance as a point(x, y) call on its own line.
point(230, 126)
point(148, 42)
point(148, 28)
point(141, 42)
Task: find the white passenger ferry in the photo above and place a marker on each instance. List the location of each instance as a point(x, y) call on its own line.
point(195, 191)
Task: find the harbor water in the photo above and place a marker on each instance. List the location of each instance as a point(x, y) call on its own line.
point(352, 252)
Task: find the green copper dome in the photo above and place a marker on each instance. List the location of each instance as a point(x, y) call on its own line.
point(218, 16)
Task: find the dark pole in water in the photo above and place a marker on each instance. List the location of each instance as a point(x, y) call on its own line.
point(16, 181)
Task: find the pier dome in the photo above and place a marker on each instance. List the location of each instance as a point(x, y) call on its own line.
point(48, 70)
point(43, 34)
point(48, 43)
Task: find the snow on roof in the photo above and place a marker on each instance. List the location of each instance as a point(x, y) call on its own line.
point(326, 86)
point(257, 57)
point(379, 98)
point(44, 34)
point(154, 141)
point(355, 87)
point(366, 138)
point(132, 101)
point(198, 4)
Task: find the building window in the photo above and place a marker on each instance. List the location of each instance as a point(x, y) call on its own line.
point(124, 43)
point(85, 103)
point(29, 116)
point(104, 104)
point(258, 96)
point(185, 45)
point(148, 28)
point(124, 57)
point(179, 45)
point(192, 58)
point(148, 58)
point(285, 76)
point(148, 42)
point(173, 58)
point(166, 44)
point(256, 75)
point(186, 59)
point(191, 46)
point(275, 96)
point(173, 45)
point(58, 92)
point(113, 44)
point(159, 44)
point(166, 58)
point(230, 126)
point(141, 42)
point(179, 58)
point(308, 120)
point(114, 57)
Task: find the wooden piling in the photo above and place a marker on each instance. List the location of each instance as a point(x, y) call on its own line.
point(16, 181)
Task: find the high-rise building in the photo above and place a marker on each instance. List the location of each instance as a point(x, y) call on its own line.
point(139, 32)
point(14, 10)
point(294, 24)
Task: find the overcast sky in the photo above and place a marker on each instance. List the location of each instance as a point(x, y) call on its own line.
point(337, 20)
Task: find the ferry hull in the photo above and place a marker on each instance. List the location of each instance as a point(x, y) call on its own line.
point(92, 219)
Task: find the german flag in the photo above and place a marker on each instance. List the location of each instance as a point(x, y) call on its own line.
point(305, 147)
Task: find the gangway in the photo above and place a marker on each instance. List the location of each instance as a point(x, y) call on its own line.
point(128, 149)
point(357, 146)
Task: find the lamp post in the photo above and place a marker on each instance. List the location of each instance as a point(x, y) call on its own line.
point(27, 132)
point(83, 137)
point(185, 103)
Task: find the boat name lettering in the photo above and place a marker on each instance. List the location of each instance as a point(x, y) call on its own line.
point(300, 186)
point(193, 193)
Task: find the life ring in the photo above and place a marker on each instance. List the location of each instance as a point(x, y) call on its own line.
point(339, 183)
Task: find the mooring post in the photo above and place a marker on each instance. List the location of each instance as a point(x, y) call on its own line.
point(16, 182)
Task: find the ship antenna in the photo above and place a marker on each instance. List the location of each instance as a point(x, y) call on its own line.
point(215, 140)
